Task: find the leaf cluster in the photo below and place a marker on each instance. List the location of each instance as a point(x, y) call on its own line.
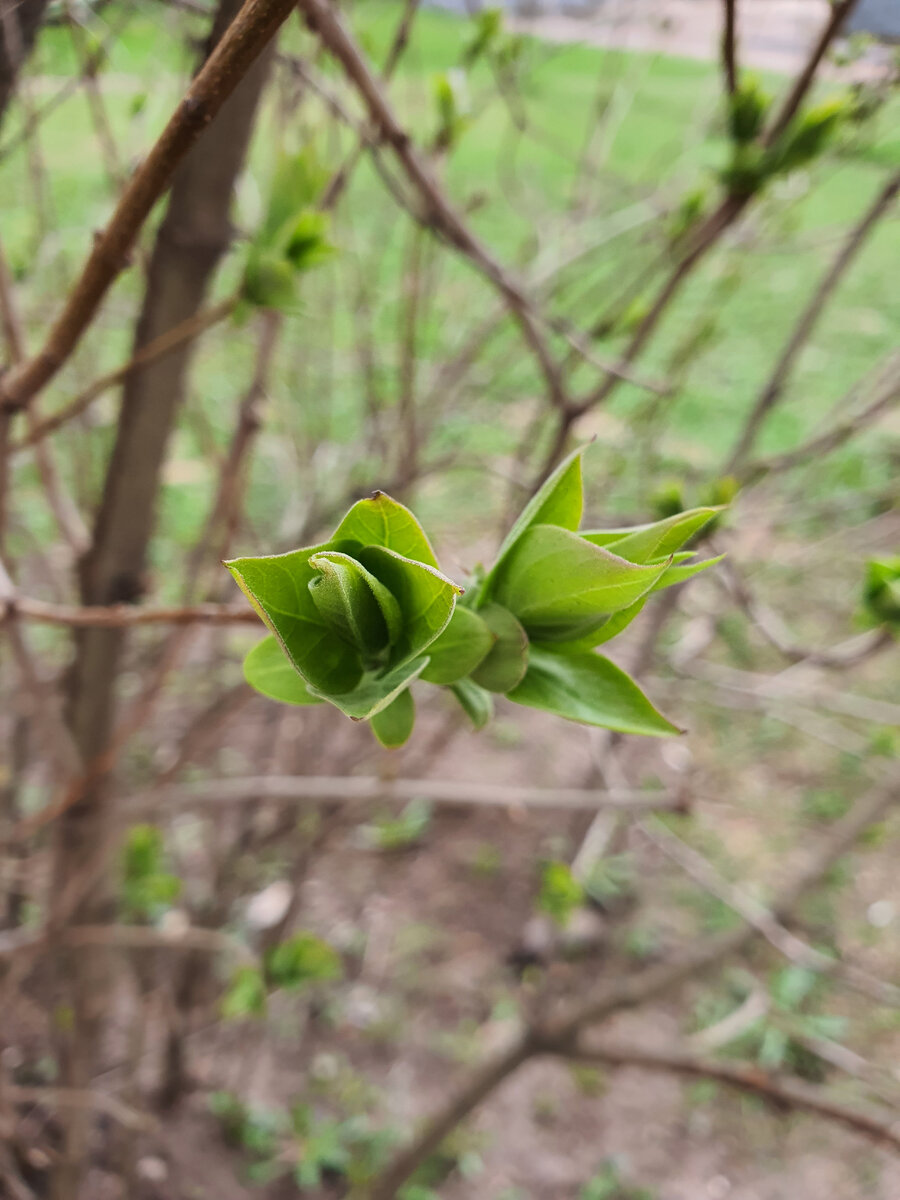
point(753, 164)
point(293, 236)
point(355, 620)
point(297, 963)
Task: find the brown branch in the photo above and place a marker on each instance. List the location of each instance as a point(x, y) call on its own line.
point(244, 40)
point(883, 1127)
point(560, 1035)
point(772, 393)
point(840, 11)
point(178, 335)
point(729, 47)
point(219, 793)
point(703, 240)
point(82, 1098)
point(494, 1070)
point(122, 616)
point(886, 397)
point(702, 871)
point(68, 518)
point(339, 181)
point(437, 212)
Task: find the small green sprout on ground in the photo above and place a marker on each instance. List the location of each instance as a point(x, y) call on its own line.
point(355, 620)
point(294, 965)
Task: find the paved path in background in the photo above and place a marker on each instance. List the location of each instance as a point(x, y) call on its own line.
point(773, 35)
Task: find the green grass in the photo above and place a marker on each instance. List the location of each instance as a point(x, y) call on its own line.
point(518, 188)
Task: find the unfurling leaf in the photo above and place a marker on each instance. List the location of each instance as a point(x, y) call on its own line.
point(588, 688)
point(476, 701)
point(504, 664)
point(358, 618)
point(393, 725)
point(561, 587)
point(379, 520)
point(650, 543)
point(747, 109)
point(268, 671)
point(559, 501)
point(457, 651)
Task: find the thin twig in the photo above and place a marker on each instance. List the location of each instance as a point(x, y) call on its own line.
point(756, 914)
point(772, 392)
point(242, 43)
point(437, 210)
point(219, 793)
point(729, 47)
point(882, 1127)
point(560, 1034)
point(840, 11)
point(121, 616)
point(82, 1098)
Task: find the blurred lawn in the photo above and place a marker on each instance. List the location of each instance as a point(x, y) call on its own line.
point(663, 140)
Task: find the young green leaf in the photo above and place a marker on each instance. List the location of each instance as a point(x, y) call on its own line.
point(268, 670)
point(476, 702)
point(425, 598)
point(380, 520)
point(505, 663)
point(304, 239)
point(393, 725)
point(560, 501)
point(588, 688)
point(355, 604)
point(610, 628)
point(269, 280)
point(457, 651)
point(278, 588)
point(648, 543)
point(561, 586)
point(681, 572)
point(246, 995)
point(297, 183)
point(374, 692)
point(561, 893)
point(301, 960)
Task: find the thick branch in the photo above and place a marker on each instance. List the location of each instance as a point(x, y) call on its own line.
point(245, 39)
point(218, 793)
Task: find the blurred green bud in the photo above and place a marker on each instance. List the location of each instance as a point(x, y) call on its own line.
point(690, 208)
point(881, 590)
point(747, 109)
point(750, 167)
point(810, 132)
point(488, 27)
point(668, 500)
point(453, 107)
point(269, 279)
point(560, 893)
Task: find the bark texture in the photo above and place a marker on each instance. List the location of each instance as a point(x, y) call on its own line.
point(194, 234)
